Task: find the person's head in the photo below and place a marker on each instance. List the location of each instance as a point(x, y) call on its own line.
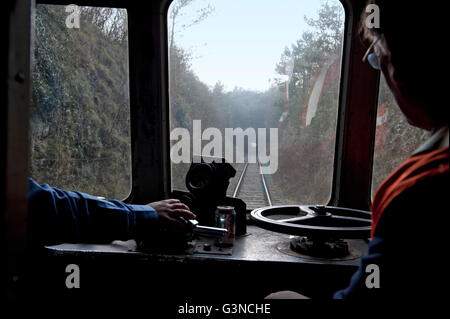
point(410, 58)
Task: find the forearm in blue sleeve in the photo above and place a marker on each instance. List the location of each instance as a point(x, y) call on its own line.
point(357, 288)
point(56, 216)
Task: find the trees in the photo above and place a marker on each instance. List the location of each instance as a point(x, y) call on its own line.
point(395, 138)
point(112, 22)
point(80, 112)
point(306, 150)
point(80, 119)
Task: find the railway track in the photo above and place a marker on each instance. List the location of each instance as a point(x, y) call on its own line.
point(251, 186)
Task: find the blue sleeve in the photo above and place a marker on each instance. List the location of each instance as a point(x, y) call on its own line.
point(357, 287)
point(56, 216)
point(409, 245)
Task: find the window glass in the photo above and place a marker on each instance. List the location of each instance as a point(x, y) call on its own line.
point(395, 138)
point(80, 119)
point(258, 66)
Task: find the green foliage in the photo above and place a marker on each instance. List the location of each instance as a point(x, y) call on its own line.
point(306, 153)
point(401, 139)
point(80, 111)
point(191, 99)
point(80, 108)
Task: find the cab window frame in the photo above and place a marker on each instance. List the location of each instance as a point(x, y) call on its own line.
point(149, 105)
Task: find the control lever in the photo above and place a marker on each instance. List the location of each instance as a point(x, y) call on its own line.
point(205, 230)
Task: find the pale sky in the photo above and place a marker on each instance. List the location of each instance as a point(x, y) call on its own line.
point(241, 41)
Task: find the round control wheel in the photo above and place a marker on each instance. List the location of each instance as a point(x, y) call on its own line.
point(314, 221)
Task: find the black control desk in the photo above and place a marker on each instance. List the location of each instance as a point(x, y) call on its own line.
point(261, 262)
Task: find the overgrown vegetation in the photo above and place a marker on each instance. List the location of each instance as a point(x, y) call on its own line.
point(396, 139)
point(305, 152)
point(80, 109)
point(80, 115)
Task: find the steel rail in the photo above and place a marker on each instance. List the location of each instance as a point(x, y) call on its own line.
point(241, 178)
point(266, 189)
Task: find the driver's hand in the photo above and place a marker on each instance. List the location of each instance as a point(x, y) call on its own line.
point(168, 210)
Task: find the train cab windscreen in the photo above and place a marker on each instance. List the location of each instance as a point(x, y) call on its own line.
point(256, 84)
point(204, 157)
